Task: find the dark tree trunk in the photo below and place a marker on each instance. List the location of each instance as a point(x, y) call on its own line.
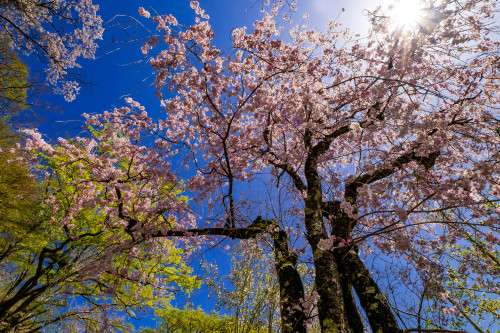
point(341, 225)
point(291, 289)
point(372, 300)
point(352, 313)
point(331, 309)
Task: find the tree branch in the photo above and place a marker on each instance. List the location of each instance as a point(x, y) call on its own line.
point(351, 193)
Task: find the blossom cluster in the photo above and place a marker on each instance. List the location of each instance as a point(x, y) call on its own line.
point(59, 32)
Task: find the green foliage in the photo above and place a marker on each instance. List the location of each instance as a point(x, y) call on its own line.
point(18, 190)
point(189, 320)
point(77, 275)
point(250, 292)
point(474, 296)
point(13, 81)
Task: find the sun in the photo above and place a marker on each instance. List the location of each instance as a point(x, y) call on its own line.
point(406, 13)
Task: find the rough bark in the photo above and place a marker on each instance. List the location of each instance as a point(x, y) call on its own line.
point(353, 317)
point(331, 311)
point(291, 288)
point(372, 300)
point(340, 225)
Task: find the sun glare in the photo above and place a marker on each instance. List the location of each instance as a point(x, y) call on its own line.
point(406, 13)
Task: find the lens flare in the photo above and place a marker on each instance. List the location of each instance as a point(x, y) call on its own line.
point(406, 13)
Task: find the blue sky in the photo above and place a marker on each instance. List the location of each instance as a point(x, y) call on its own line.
point(112, 76)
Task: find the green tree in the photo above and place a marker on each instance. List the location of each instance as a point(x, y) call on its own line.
point(13, 81)
point(250, 292)
point(470, 292)
point(79, 275)
point(189, 320)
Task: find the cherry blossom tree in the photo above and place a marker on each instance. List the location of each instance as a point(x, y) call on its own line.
point(57, 32)
point(64, 263)
point(378, 147)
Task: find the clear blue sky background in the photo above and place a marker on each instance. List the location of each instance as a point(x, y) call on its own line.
point(111, 77)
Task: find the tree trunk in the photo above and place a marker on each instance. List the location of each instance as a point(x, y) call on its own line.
point(331, 309)
point(353, 317)
point(291, 289)
point(341, 225)
point(372, 300)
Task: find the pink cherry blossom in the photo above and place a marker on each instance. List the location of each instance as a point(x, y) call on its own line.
point(58, 32)
point(388, 144)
